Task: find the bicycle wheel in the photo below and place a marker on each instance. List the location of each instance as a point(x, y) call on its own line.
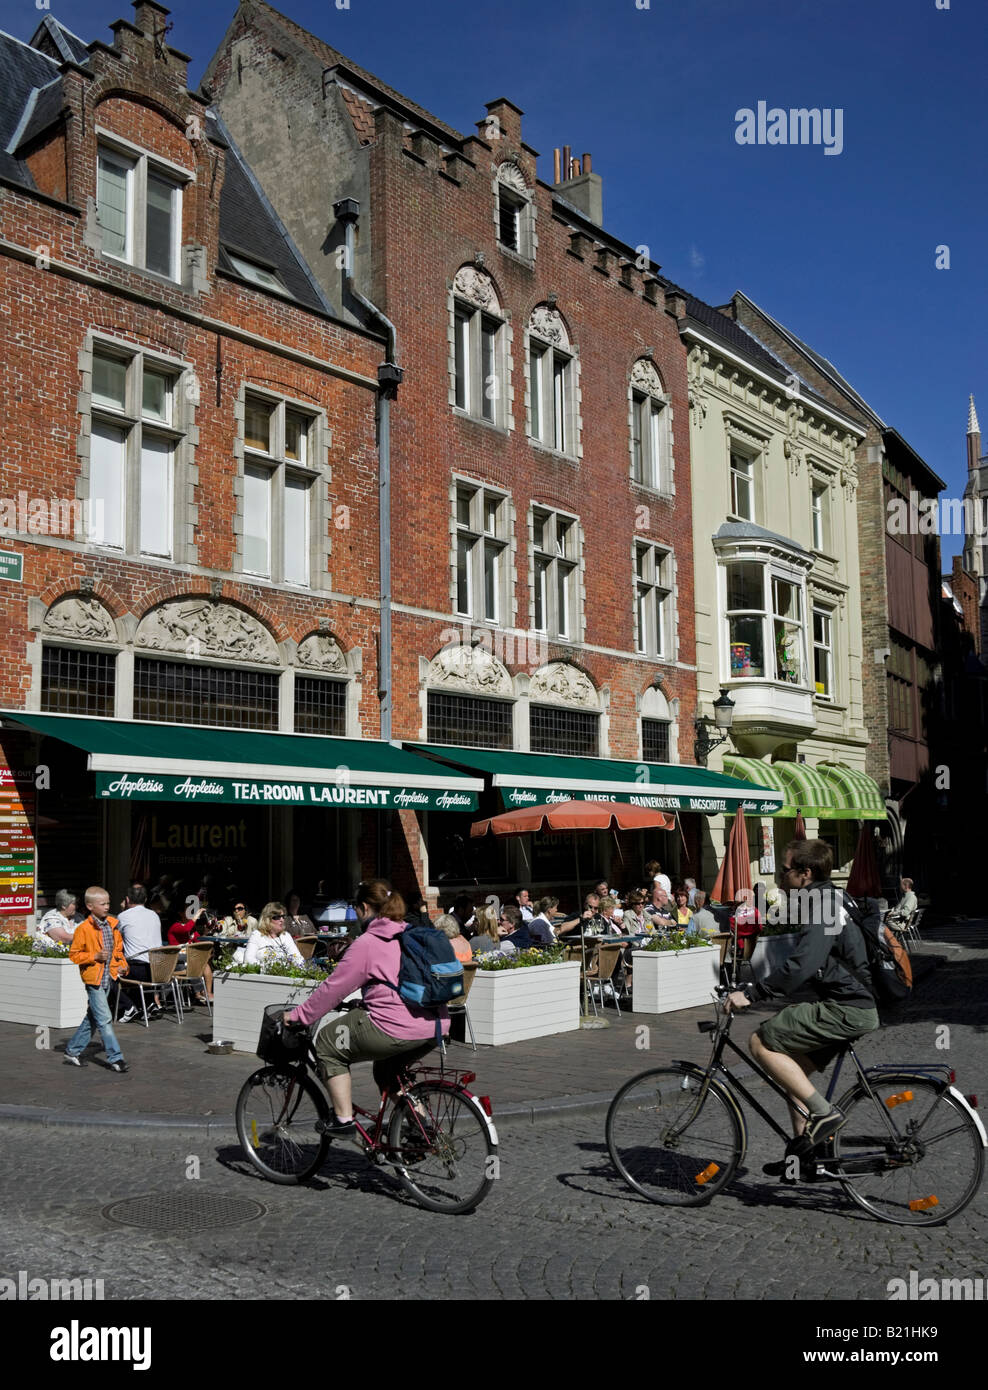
point(277, 1110)
point(670, 1145)
point(923, 1166)
point(445, 1148)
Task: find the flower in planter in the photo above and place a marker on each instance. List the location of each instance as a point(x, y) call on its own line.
point(286, 969)
point(676, 941)
point(497, 960)
point(30, 946)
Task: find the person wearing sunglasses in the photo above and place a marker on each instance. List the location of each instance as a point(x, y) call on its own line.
point(271, 942)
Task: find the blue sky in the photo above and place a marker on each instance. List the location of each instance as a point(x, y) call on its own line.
point(840, 248)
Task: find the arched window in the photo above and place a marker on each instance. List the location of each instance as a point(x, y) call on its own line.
point(552, 416)
point(514, 212)
point(479, 355)
point(78, 658)
point(651, 462)
point(564, 711)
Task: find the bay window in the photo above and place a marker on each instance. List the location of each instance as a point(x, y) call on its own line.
point(764, 612)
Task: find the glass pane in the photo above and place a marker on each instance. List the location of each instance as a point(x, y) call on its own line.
point(488, 370)
point(109, 382)
point(492, 570)
point(559, 404)
point(507, 223)
point(463, 548)
point(562, 599)
point(566, 731)
point(542, 530)
point(463, 499)
point(746, 636)
point(320, 706)
point(654, 444)
point(541, 595)
point(156, 396)
point(745, 586)
point(466, 719)
point(296, 436)
point(257, 526)
point(564, 537)
point(77, 682)
point(821, 670)
point(111, 198)
point(643, 593)
point(160, 232)
point(491, 506)
point(637, 462)
point(106, 485)
point(785, 599)
point(257, 425)
point(641, 560)
point(462, 335)
point(180, 692)
point(296, 538)
point(156, 496)
point(788, 652)
point(535, 374)
point(655, 740)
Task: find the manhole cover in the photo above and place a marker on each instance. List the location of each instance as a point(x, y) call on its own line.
point(186, 1211)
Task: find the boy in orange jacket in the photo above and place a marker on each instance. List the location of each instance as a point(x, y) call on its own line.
point(97, 949)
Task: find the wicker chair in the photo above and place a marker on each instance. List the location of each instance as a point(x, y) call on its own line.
point(601, 971)
point(162, 961)
point(196, 959)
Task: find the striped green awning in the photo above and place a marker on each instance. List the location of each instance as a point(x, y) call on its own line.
point(859, 797)
point(828, 791)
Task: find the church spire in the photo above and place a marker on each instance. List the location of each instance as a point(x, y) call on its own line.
point(973, 437)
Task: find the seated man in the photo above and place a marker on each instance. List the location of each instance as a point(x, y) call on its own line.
point(591, 910)
point(905, 909)
point(830, 957)
point(660, 910)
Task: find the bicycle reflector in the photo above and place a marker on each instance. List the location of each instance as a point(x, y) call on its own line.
point(466, 1077)
point(924, 1203)
point(972, 1102)
point(711, 1171)
point(953, 1078)
point(898, 1099)
point(485, 1104)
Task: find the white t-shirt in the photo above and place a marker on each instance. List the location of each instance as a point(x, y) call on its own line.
point(141, 932)
point(262, 949)
point(664, 881)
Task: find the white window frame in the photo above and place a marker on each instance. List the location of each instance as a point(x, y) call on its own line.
point(821, 518)
point(137, 425)
point(552, 387)
point(559, 569)
point(829, 616)
point(485, 549)
point(654, 587)
point(770, 570)
point(472, 387)
point(738, 475)
point(139, 164)
point(280, 470)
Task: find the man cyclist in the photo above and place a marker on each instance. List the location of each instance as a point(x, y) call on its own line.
point(830, 957)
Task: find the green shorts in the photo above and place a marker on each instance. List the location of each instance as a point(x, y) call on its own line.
point(353, 1037)
point(818, 1031)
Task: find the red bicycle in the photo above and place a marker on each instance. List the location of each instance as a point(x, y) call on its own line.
point(437, 1136)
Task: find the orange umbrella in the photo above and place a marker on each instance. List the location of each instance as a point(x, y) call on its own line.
point(734, 874)
point(800, 832)
point(573, 815)
point(863, 880)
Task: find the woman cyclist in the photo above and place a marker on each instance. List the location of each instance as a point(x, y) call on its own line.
point(385, 1026)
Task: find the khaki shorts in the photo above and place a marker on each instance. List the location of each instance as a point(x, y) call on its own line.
point(818, 1031)
point(354, 1037)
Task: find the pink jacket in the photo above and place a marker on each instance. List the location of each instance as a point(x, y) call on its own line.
point(374, 956)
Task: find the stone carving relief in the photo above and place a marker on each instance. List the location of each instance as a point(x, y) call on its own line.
point(469, 668)
point(512, 176)
point(696, 385)
point(548, 324)
point(476, 287)
point(321, 652)
point(560, 683)
point(646, 379)
point(84, 619)
point(202, 627)
point(792, 447)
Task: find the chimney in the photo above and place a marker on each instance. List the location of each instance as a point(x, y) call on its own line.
point(973, 437)
point(579, 185)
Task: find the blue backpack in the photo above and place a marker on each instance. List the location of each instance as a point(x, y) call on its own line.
point(430, 974)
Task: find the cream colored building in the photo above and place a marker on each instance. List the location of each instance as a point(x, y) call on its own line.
point(778, 619)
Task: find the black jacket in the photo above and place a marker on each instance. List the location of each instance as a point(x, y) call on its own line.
point(829, 955)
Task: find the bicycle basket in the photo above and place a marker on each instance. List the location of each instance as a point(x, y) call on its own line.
point(277, 1044)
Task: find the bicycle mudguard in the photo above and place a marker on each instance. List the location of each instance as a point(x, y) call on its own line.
point(965, 1104)
point(462, 1090)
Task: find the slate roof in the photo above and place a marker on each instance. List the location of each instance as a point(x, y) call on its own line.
point(22, 69)
point(70, 47)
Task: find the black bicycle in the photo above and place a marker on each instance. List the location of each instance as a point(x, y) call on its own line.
point(437, 1136)
point(911, 1151)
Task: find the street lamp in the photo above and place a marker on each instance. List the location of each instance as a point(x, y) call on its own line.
point(723, 719)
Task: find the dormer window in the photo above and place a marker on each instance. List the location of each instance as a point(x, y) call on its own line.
point(514, 212)
point(257, 274)
point(139, 210)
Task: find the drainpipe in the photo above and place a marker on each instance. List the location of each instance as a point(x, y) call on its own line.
point(389, 376)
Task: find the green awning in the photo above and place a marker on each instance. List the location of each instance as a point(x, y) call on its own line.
point(859, 796)
point(531, 779)
point(180, 762)
point(828, 791)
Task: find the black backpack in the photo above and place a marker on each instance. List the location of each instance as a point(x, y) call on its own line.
point(888, 965)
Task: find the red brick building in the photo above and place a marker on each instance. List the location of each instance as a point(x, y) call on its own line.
point(190, 492)
point(540, 475)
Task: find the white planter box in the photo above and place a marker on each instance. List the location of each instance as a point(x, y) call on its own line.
point(668, 980)
point(40, 989)
point(770, 952)
point(531, 1002)
point(239, 1002)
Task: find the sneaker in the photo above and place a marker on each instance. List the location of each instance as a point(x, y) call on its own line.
point(820, 1128)
point(154, 1010)
point(131, 1013)
point(335, 1127)
point(74, 1060)
point(118, 1066)
point(798, 1148)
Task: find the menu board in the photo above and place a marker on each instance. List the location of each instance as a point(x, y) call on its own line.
point(17, 848)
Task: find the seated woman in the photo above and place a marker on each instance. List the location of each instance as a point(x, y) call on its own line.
point(486, 927)
point(635, 921)
point(682, 913)
point(448, 924)
point(57, 926)
point(196, 921)
point(239, 923)
point(271, 942)
point(299, 923)
point(386, 1029)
